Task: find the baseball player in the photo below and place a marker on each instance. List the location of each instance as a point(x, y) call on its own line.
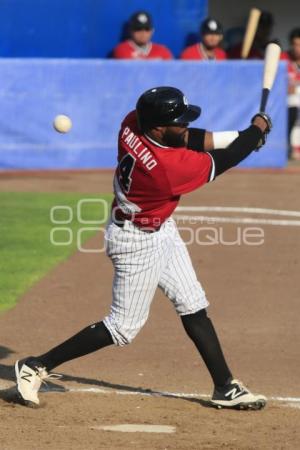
point(211, 32)
point(159, 159)
point(139, 44)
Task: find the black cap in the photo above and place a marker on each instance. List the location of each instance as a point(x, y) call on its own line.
point(211, 26)
point(140, 20)
point(163, 106)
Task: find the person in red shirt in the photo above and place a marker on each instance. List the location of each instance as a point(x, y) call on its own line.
point(293, 58)
point(211, 33)
point(139, 45)
point(160, 158)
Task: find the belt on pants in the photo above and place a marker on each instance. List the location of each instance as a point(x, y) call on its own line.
point(121, 223)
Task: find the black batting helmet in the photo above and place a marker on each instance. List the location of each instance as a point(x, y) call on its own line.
point(163, 106)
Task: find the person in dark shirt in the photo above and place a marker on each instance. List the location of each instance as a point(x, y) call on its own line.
point(261, 40)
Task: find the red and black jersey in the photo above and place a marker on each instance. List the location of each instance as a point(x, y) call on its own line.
point(129, 50)
point(150, 178)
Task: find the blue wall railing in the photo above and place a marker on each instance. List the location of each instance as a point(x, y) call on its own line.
point(97, 94)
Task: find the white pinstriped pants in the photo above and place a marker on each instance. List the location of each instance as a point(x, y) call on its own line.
point(142, 262)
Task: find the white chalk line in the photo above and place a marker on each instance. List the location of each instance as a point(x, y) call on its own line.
point(243, 220)
point(241, 209)
point(95, 390)
point(293, 402)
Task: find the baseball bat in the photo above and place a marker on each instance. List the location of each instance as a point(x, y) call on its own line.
point(250, 31)
point(272, 56)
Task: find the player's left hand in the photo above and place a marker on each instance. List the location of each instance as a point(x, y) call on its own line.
point(268, 122)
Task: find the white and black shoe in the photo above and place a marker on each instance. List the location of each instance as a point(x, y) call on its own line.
point(235, 396)
point(30, 374)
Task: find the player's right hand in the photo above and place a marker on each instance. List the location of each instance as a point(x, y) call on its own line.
point(264, 122)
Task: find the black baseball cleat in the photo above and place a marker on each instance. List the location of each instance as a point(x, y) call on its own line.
point(30, 374)
point(235, 396)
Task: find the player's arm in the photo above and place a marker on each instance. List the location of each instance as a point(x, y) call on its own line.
point(187, 171)
point(247, 141)
point(201, 140)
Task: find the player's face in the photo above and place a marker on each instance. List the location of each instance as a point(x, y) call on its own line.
point(141, 37)
point(212, 40)
point(296, 48)
point(174, 136)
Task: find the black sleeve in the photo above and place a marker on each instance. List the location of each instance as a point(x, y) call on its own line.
point(238, 150)
point(196, 139)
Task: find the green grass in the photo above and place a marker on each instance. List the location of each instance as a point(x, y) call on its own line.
point(26, 252)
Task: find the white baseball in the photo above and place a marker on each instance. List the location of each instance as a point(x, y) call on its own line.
point(62, 123)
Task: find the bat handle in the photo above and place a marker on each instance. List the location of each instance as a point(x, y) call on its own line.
point(264, 98)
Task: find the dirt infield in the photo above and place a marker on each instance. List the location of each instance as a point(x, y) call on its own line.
point(254, 294)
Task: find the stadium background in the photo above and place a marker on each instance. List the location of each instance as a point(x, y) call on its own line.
point(53, 62)
point(97, 92)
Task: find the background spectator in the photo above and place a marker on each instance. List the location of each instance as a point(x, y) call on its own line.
point(139, 45)
point(293, 56)
point(211, 32)
point(262, 38)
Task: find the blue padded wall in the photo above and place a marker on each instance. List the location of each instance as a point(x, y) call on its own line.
point(97, 94)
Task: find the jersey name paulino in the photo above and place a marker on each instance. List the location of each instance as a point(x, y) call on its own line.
point(150, 177)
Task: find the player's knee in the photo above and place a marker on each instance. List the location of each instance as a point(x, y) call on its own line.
point(121, 334)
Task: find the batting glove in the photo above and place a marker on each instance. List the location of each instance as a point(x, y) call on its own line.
point(268, 121)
